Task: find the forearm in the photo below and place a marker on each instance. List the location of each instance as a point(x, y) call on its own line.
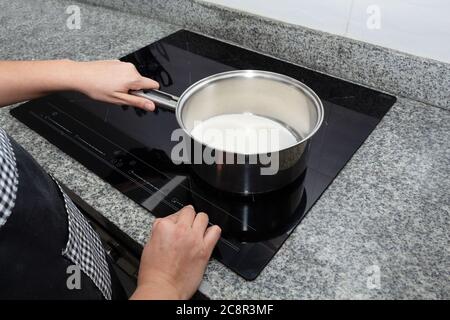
point(108, 81)
point(25, 80)
point(155, 292)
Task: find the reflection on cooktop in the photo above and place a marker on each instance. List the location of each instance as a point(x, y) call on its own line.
point(251, 218)
point(130, 148)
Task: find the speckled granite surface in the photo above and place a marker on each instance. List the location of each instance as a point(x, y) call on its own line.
point(395, 72)
point(389, 208)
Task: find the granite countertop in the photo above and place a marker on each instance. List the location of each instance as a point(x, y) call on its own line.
point(387, 214)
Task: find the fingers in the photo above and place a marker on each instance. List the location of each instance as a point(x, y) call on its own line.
point(186, 216)
point(212, 235)
point(173, 217)
point(135, 101)
point(200, 223)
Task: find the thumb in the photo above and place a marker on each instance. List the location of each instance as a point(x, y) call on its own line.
point(211, 237)
point(135, 101)
point(147, 83)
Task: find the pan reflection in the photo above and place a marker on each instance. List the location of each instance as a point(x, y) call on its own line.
point(251, 218)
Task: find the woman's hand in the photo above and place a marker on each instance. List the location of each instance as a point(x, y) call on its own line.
point(108, 81)
point(111, 81)
point(174, 260)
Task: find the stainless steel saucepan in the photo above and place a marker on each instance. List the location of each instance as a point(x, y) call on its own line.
point(271, 95)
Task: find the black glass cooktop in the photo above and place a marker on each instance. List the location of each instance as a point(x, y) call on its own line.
point(130, 148)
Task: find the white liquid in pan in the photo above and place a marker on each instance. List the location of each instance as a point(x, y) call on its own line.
point(243, 133)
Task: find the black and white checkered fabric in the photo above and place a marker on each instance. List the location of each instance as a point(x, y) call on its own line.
point(85, 249)
point(9, 178)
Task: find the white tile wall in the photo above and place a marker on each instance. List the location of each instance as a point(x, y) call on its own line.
point(419, 27)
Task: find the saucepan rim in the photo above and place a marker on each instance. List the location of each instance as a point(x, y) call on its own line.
point(197, 86)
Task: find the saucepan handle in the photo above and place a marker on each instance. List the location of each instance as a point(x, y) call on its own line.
point(160, 98)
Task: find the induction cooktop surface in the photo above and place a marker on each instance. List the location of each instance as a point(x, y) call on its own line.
point(130, 148)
